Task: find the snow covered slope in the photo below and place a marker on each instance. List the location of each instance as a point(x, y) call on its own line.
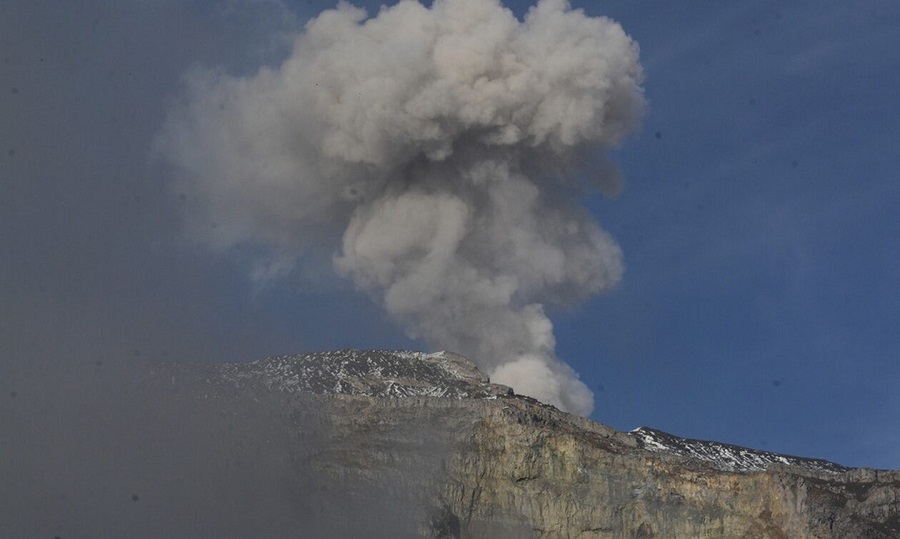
point(371, 373)
point(725, 457)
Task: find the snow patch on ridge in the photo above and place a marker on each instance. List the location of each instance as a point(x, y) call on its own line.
point(371, 373)
point(726, 457)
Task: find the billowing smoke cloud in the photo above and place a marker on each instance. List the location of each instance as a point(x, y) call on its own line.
point(439, 156)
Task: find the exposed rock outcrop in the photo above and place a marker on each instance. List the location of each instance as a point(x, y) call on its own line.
point(462, 457)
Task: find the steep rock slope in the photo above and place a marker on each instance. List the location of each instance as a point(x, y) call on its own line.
point(425, 442)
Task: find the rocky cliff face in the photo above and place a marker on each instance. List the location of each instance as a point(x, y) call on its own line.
point(424, 445)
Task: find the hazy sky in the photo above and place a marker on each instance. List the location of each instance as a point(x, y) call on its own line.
point(757, 223)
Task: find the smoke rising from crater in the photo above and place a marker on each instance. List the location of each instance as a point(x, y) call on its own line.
point(439, 156)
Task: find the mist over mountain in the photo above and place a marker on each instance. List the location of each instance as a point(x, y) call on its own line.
point(176, 187)
point(371, 443)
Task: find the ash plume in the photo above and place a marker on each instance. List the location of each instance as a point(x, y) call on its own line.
point(438, 157)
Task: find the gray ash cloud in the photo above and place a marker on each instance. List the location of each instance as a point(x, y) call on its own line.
point(439, 155)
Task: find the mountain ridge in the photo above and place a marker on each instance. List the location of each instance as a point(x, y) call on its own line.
point(475, 459)
point(380, 373)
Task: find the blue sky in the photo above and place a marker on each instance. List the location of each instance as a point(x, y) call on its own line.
point(758, 223)
point(759, 232)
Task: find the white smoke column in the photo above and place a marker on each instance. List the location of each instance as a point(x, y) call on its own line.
point(430, 151)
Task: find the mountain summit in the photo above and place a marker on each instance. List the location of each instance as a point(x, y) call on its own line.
point(425, 442)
